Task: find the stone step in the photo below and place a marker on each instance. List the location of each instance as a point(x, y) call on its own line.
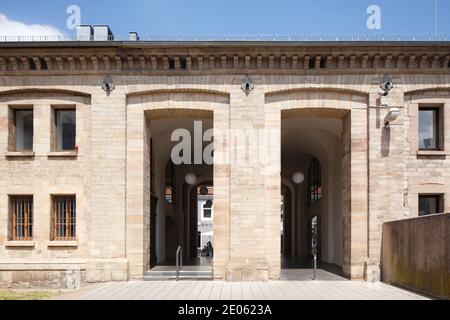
point(184, 275)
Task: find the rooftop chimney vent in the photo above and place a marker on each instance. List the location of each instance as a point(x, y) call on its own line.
point(134, 36)
point(103, 33)
point(85, 33)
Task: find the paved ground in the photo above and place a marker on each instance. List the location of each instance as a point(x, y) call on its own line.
point(327, 287)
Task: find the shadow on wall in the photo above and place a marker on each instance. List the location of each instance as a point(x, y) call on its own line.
point(385, 142)
point(415, 254)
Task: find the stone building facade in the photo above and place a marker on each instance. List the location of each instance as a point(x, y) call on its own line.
point(375, 174)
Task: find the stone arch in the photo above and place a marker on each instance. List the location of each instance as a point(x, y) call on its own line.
point(62, 95)
point(351, 108)
point(436, 90)
point(319, 90)
point(143, 106)
point(322, 100)
point(178, 99)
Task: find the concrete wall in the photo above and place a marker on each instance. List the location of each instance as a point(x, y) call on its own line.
point(416, 254)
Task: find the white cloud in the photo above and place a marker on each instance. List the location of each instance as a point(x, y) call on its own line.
point(16, 28)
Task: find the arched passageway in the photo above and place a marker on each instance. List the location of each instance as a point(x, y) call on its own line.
point(182, 188)
point(312, 148)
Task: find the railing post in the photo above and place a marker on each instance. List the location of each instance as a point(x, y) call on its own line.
point(179, 261)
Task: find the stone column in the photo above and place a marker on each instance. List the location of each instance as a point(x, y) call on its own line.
point(355, 192)
point(254, 189)
point(221, 193)
point(106, 247)
point(387, 153)
point(137, 208)
point(272, 191)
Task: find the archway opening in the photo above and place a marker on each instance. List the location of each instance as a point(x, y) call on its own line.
point(181, 187)
point(312, 187)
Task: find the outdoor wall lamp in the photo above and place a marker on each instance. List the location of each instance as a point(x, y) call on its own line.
point(387, 84)
point(392, 115)
point(247, 85)
point(108, 85)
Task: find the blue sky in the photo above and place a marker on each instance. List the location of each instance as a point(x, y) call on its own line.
point(233, 17)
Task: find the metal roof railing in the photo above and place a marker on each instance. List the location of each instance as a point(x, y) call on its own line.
point(234, 38)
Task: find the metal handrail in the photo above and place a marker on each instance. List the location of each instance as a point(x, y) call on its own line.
point(179, 261)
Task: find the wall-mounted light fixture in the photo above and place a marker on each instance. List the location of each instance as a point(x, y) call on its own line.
point(392, 115)
point(386, 85)
point(247, 85)
point(108, 85)
point(298, 177)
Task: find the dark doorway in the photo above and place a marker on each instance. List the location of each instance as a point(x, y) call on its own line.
point(153, 215)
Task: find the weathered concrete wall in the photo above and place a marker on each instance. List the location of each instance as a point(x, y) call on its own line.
point(416, 254)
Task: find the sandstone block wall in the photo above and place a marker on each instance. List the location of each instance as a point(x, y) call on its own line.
point(382, 170)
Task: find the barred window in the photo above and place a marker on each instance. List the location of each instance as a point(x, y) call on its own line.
point(21, 218)
point(64, 218)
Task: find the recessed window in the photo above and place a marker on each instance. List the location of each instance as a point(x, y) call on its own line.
point(183, 63)
point(171, 64)
point(21, 218)
point(431, 204)
point(23, 125)
point(64, 217)
point(429, 123)
point(314, 182)
point(170, 183)
point(207, 210)
point(65, 129)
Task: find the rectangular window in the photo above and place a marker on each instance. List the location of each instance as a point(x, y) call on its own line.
point(429, 128)
point(20, 129)
point(21, 218)
point(64, 218)
point(431, 204)
point(207, 212)
point(65, 125)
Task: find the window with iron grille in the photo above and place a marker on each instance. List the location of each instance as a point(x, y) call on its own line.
point(64, 218)
point(21, 218)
